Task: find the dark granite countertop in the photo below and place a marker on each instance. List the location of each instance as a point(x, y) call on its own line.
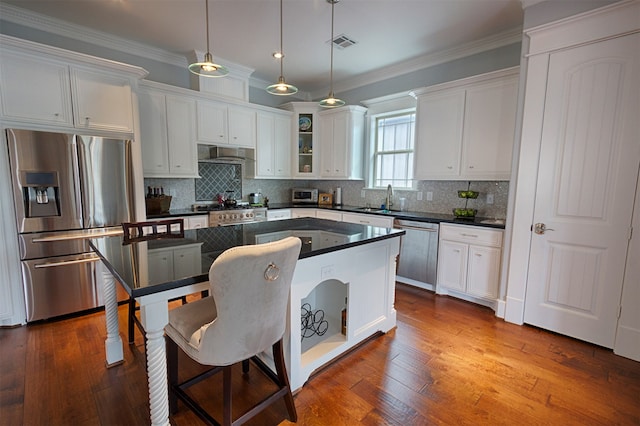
point(132, 264)
point(407, 215)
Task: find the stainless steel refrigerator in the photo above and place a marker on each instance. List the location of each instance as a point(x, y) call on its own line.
point(67, 188)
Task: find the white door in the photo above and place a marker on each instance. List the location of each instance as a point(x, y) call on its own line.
point(587, 174)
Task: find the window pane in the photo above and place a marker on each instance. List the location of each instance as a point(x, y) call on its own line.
point(393, 157)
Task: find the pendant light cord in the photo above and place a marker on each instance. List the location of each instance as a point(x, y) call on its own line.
point(207, 20)
point(333, 3)
point(281, 36)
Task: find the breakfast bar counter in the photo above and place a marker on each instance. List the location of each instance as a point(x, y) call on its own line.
point(341, 294)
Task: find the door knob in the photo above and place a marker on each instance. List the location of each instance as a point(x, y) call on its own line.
point(540, 228)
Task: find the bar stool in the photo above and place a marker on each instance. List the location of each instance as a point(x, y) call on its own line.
point(146, 231)
point(245, 315)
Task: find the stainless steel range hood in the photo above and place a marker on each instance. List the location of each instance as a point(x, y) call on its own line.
point(245, 157)
point(225, 155)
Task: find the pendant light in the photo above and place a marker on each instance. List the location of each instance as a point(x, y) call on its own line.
point(207, 68)
point(331, 101)
point(281, 88)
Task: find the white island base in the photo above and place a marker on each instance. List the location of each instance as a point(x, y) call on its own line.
point(360, 279)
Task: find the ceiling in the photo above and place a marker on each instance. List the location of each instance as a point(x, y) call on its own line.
point(247, 32)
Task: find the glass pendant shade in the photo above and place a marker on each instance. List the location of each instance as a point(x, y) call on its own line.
point(331, 101)
point(281, 88)
point(207, 68)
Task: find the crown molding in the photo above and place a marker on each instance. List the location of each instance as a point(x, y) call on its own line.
point(51, 25)
point(495, 41)
point(528, 3)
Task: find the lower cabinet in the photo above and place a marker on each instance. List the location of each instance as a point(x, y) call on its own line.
point(303, 212)
point(469, 262)
point(329, 214)
point(368, 219)
point(191, 222)
point(279, 214)
point(176, 262)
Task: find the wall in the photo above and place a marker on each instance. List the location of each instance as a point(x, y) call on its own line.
point(445, 196)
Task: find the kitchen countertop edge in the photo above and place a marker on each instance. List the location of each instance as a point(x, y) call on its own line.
point(409, 215)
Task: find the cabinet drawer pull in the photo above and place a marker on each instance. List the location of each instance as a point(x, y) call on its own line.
point(469, 235)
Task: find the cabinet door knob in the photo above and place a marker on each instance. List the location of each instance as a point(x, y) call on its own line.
point(449, 167)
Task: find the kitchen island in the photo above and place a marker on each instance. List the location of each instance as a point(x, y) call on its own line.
point(342, 291)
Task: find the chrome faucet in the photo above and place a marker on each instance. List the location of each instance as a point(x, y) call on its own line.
point(389, 200)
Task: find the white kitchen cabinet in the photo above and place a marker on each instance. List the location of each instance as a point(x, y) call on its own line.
point(167, 134)
point(279, 214)
point(368, 219)
point(196, 222)
point(176, 262)
point(305, 212)
point(101, 101)
point(305, 144)
point(225, 125)
point(53, 87)
point(329, 214)
point(190, 222)
point(438, 142)
point(465, 129)
point(469, 262)
point(489, 126)
point(18, 74)
point(273, 146)
point(342, 143)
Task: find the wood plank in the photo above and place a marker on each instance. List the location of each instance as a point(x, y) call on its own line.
point(447, 362)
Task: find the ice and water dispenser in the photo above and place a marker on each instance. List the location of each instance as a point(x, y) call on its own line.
point(41, 194)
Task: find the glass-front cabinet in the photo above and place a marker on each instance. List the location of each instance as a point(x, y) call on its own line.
point(306, 159)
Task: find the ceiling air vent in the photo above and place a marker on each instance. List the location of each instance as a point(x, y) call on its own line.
point(342, 41)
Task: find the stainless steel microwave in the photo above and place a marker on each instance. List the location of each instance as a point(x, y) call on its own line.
point(304, 195)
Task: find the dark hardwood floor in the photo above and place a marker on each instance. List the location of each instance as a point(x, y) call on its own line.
point(447, 362)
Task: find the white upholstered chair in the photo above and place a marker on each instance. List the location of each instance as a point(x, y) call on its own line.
point(245, 315)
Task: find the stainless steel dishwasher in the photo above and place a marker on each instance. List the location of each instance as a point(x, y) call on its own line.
point(418, 253)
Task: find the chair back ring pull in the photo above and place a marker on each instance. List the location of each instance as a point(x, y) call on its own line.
point(272, 272)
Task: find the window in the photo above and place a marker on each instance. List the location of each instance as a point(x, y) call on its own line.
point(393, 153)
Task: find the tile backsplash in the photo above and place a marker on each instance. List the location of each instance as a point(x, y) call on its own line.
point(218, 178)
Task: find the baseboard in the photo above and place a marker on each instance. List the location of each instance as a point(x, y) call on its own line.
point(415, 283)
point(514, 311)
point(627, 343)
point(500, 308)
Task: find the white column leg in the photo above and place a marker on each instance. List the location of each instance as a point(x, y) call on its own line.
point(154, 317)
point(113, 343)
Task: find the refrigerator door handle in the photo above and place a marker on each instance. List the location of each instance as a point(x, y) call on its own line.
point(67, 262)
point(87, 235)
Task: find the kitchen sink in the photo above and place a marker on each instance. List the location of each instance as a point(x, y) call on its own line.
point(493, 221)
point(369, 209)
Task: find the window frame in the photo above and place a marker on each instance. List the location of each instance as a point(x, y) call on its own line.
point(410, 179)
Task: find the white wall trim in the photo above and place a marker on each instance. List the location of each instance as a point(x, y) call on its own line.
point(587, 27)
point(51, 25)
point(478, 46)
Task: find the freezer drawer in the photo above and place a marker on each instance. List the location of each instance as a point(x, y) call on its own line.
point(60, 285)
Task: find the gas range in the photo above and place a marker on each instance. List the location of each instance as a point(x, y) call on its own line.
point(222, 216)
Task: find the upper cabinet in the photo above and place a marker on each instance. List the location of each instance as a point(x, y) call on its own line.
point(465, 129)
point(55, 88)
point(304, 144)
point(273, 156)
point(167, 132)
point(101, 101)
point(221, 124)
point(342, 142)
